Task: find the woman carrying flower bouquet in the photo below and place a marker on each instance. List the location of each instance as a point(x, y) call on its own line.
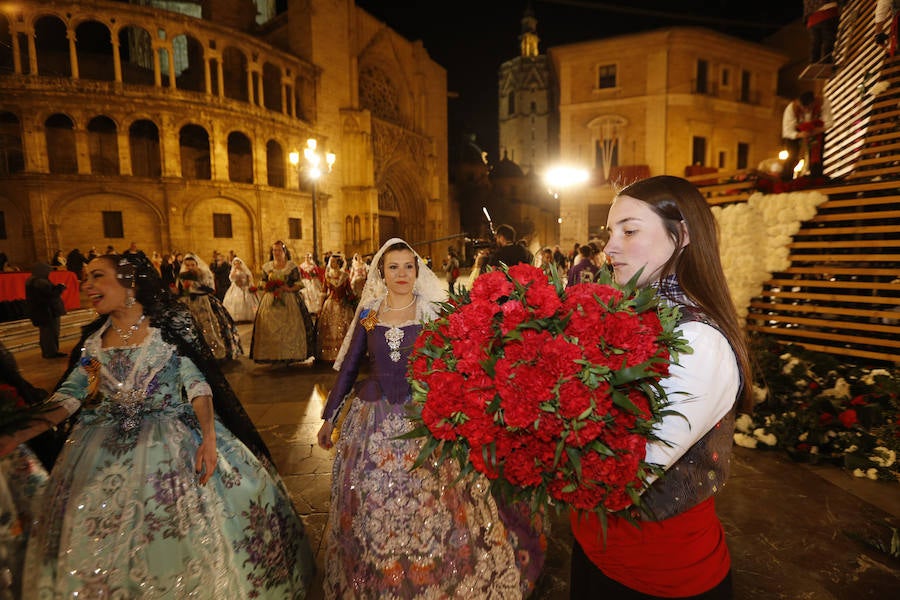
point(337, 310)
point(164, 488)
point(283, 330)
point(663, 228)
point(196, 288)
point(394, 530)
point(313, 289)
point(241, 300)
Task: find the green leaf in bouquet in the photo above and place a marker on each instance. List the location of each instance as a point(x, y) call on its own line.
point(575, 458)
point(601, 448)
point(428, 449)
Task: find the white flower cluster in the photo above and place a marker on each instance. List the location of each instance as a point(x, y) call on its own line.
point(869, 378)
point(789, 363)
point(871, 473)
point(747, 436)
point(883, 457)
point(841, 389)
point(754, 239)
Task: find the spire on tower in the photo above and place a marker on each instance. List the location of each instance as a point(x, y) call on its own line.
point(528, 40)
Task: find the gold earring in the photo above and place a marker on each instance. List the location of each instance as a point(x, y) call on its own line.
point(129, 300)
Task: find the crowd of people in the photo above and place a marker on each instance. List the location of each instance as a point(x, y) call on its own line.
point(164, 487)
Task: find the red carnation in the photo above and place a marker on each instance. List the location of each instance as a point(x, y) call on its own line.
point(491, 286)
point(848, 418)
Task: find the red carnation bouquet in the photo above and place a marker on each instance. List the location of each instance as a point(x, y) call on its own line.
point(551, 392)
point(276, 288)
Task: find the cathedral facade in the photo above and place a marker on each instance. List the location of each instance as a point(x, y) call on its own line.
point(172, 125)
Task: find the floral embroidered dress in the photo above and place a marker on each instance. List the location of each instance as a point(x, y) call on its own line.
point(22, 482)
point(123, 515)
point(283, 329)
point(399, 533)
point(218, 327)
point(336, 315)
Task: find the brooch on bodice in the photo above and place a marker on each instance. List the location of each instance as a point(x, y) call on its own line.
point(370, 321)
point(394, 335)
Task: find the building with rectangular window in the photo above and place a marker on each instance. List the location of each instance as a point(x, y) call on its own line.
point(672, 101)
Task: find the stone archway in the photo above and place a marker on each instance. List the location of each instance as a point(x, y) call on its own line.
point(204, 225)
point(83, 222)
point(402, 204)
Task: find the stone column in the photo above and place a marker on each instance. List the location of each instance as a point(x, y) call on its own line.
point(73, 52)
point(157, 75)
point(17, 52)
point(32, 53)
point(117, 60)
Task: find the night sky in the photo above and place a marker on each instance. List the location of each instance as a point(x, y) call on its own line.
point(471, 38)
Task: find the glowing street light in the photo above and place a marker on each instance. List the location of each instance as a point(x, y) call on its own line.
point(562, 177)
point(313, 172)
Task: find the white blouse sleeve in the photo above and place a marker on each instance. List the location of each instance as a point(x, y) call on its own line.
point(702, 388)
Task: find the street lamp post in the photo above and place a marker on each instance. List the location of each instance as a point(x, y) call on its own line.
point(314, 172)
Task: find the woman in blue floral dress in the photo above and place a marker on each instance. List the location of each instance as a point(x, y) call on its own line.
point(164, 488)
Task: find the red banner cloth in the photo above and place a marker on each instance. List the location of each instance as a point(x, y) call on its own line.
point(12, 287)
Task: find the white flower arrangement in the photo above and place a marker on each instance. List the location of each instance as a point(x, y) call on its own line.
point(820, 410)
point(755, 237)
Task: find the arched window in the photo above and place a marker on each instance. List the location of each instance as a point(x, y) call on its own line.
point(189, 73)
point(103, 144)
point(607, 132)
point(60, 135)
point(12, 159)
point(240, 158)
point(6, 53)
point(136, 56)
point(193, 141)
point(52, 47)
point(234, 65)
point(271, 87)
point(143, 139)
point(378, 94)
point(275, 164)
point(94, 49)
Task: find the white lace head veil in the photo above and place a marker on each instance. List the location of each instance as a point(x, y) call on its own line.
point(428, 289)
point(238, 266)
point(206, 276)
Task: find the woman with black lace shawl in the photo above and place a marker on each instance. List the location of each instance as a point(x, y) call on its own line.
point(164, 487)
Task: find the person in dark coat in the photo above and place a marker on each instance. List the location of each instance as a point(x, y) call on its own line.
point(75, 262)
point(168, 271)
point(44, 305)
point(508, 251)
point(221, 270)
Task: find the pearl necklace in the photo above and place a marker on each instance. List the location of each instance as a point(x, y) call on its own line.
point(388, 307)
point(132, 329)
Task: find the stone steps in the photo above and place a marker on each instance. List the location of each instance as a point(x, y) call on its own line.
point(22, 335)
